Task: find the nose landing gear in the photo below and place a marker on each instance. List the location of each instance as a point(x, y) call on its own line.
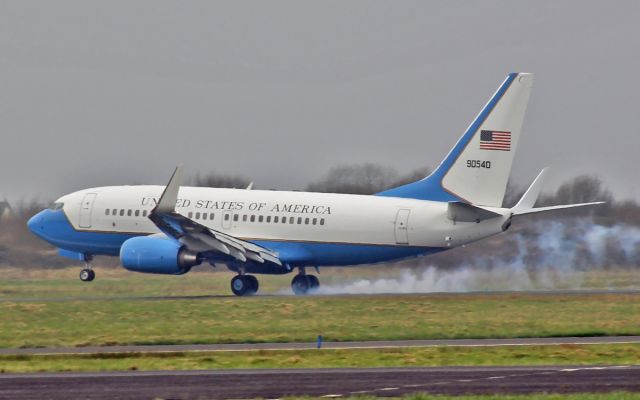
point(87, 274)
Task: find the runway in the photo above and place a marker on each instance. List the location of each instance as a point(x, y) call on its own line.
point(327, 345)
point(330, 383)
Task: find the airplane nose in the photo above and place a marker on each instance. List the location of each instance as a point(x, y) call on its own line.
point(35, 223)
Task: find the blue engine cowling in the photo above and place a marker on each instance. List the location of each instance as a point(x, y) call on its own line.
point(156, 255)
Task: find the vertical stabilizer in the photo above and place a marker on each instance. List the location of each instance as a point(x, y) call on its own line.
point(476, 170)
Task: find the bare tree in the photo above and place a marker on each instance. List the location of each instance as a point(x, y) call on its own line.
point(582, 189)
point(364, 179)
point(412, 176)
point(355, 179)
point(219, 181)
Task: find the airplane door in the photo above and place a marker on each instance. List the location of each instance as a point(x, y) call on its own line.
point(402, 227)
point(227, 217)
point(85, 210)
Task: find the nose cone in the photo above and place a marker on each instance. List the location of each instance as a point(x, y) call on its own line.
point(36, 224)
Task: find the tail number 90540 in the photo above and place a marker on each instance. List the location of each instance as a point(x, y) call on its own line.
point(478, 164)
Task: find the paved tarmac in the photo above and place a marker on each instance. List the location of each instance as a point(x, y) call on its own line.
point(330, 383)
point(327, 345)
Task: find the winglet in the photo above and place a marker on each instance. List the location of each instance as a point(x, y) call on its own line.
point(169, 198)
point(530, 197)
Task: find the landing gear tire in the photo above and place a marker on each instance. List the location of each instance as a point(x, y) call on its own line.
point(314, 281)
point(253, 281)
point(87, 275)
point(244, 285)
point(300, 284)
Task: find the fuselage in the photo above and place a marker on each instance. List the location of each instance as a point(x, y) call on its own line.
point(312, 229)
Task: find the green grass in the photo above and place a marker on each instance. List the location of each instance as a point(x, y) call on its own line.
point(615, 354)
point(116, 318)
point(337, 318)
point(16, 283)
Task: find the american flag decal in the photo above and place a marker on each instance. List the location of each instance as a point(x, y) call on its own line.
point(495, 140)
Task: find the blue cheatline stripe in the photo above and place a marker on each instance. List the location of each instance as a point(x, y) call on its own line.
point(430, 188)
point(54, 227)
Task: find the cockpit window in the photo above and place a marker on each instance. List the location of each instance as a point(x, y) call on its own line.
point(56, 206)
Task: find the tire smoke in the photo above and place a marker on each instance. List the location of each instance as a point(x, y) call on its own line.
point(543, 255)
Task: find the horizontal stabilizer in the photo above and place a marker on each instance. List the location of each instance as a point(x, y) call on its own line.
point(524, 211)
point(528, 200)
point(464, 212)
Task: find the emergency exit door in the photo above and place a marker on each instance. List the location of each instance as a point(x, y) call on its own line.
point(402, 226)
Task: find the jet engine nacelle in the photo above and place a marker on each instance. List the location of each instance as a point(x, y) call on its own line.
point(156, 255)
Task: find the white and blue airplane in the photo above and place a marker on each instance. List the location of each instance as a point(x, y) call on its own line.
point(170, 229)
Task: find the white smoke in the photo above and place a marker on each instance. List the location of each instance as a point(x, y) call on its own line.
point(547, 255)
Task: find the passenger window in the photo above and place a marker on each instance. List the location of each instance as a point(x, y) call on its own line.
point(204, 215)
point(306, 221)
point(284, 220)
point(315, 221)
point(235, 217)
point(253, 218)
point(299, 220)
point(190, 214)
point(211, 216)
point(226, 217)
point(122, 213)
point(275, 219)
point(114, 212)
point(144, 213)
point(106, 212)
point(128, 213)
point(268, 218)
point(291, 220)
point(244, 218)
point(197, 215)
point(137, 213)
point(321, 221)
point(260, 218)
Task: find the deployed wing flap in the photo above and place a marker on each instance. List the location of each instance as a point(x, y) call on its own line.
point(198, 237)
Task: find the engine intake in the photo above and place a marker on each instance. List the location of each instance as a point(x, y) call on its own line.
point(156, 255)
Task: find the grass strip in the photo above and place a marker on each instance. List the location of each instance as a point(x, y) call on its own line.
point(601, 354)
point(301, 319)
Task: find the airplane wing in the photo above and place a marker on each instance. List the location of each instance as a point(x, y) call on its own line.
point(198, 237)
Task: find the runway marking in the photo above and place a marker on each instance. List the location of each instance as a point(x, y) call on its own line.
point(496, 377)
point(593, 368)
point(386, 389)
point(331, 396)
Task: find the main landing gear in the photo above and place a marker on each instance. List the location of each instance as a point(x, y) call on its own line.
point(87, 274)
point(303, 283)
point(244, 285)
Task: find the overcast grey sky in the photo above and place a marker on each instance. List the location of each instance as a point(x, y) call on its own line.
point(98, 93)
